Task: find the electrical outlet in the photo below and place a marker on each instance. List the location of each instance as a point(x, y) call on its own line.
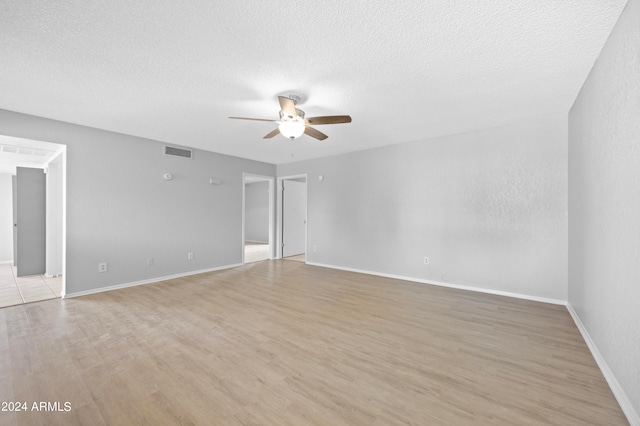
point(190, 256)
point(149, 261)
point(102, 267)
point(315, 249)
point(426, 260)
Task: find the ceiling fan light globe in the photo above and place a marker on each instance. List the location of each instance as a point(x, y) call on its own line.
point(291, 129)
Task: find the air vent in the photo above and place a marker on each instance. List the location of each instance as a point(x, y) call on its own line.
point(178, 152)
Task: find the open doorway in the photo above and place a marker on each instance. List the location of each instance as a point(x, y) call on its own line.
point(32, 188)
point(292, 217)
point(257, 218)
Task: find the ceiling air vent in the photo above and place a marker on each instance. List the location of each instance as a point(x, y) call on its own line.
point(178, 152)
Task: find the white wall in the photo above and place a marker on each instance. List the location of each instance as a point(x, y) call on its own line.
point(55, 182)
point(488, 208)
point(604, 208)
point(120, 210)
point(257, 212)
point(6, 219)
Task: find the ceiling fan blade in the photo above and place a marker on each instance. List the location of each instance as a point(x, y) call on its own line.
point(252, 119)
point(329, 119)
point(271, 134)
point(287, 106)
point(314, 133)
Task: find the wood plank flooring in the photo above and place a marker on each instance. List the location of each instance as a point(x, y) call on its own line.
point(284, 343)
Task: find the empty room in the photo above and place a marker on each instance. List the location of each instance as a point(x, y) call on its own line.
point(320, 213)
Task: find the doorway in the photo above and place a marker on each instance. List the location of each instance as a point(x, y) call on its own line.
point(257, 218)
point(293, 217)
point(32, 220)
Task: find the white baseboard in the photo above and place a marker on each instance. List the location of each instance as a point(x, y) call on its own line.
point(6, 262)
point(449, 285)
point(149, 281)
point(618, 392)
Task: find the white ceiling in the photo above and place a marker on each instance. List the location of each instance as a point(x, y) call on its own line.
point(405, 70)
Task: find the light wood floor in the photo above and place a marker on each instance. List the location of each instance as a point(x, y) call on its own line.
point(284, 343)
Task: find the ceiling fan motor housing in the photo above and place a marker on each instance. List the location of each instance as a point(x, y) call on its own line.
point(298, 111)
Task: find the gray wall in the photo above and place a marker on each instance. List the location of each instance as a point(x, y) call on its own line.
point(120, 210)
point(488, 208)
point(6, 219)
point(257, 212)
point(604, 204)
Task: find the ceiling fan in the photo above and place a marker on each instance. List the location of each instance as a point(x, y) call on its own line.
point(292, 123)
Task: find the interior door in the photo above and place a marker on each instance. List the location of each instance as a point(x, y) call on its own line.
point(30, 221)
point(294, 217)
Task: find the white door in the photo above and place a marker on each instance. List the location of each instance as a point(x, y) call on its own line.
point(294, 217)
point(30, 221)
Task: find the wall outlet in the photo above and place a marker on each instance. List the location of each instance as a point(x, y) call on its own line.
point(149, 261)
point(426, 260)
point(102, 267)
point(190, 256)
point(315, 248)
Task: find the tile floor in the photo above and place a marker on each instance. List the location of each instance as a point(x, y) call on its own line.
point(255, 252)
point(18, 290)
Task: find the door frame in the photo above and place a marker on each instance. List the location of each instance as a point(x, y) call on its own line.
point(272, 232)
point(61, 151)
point(279, 216)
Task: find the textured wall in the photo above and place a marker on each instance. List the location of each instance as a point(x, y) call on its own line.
point(6, 219)
point(256, 212)
point(488, 208)
point(604, 204)
point(120, 210)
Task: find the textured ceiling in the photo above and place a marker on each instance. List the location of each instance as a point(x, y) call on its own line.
point(404, 70)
